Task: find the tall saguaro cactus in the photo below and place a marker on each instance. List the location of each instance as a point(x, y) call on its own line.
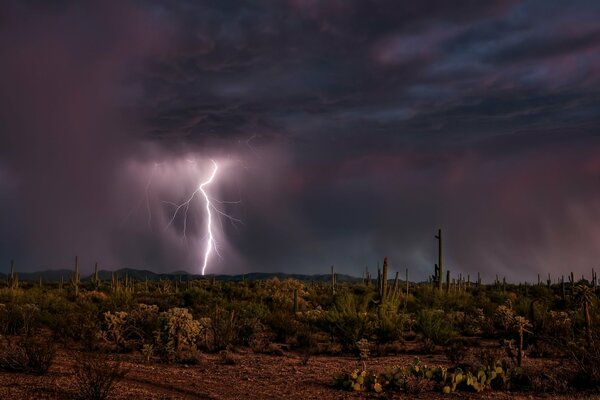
point(76, 277)
point(13, 279)
point(440, 267)
point(384, 279)
point(333, 280)
point(95, 277)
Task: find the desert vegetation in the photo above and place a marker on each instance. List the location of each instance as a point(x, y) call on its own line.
point(530, 338)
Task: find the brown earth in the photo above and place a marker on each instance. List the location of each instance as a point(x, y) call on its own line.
point(253, 376)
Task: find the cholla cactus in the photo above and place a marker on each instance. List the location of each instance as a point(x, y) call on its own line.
point(363, 347)
point(522, 325)
point(560, 323)
point(505, 316)
point(147, 351)
point(177, 329)
point(116, 326)
point(283, 293)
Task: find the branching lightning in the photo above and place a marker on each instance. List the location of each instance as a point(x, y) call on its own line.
point(210, 242)
point(213, 213)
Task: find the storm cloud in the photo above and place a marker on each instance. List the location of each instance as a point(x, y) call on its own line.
point(347, 130)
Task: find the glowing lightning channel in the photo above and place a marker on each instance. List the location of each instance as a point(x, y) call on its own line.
point(210, 241)
point(211, 244)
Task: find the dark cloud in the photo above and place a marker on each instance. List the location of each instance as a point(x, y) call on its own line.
point(350, 130)
point(540, 48)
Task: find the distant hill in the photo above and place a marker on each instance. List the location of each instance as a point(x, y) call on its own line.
point(141, 274)
point(50, 275)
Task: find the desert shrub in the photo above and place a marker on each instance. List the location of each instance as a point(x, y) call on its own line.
point(306, 344)
point(433, 325)
point(96, 376)
point(585, 358)
point(16, 319)
point(132, 330)
point(280, 294)
point(227, 357)
point(348, 321)
point(282, 324)
point(389, 322)
point(249, 321)
point(456, 300)
point(476, 323)
point(560, 325)
point(541, 292)
point(120, 300)
point(195, 295)
point(76, 321)
point(224, 328)
point(544, 380)
point(29, 355)
point(141, 325)
point(456, 352)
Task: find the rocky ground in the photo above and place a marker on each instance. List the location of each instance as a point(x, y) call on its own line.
point(250, 376)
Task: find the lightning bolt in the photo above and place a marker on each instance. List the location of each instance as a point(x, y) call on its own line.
point(213, 213)
point(210, 240)
point(211, 244)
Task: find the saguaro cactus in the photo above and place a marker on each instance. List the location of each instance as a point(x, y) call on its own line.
point(95, 277)
point(76, 277)
point(584, 299)
point(440, 264)
point(572, 283)
point(12, 280)
point(396, 283)
point(295, 300)
point(384, 279)
point(521, 325)
point(332, 280)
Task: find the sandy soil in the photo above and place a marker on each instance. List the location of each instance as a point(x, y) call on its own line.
point(254, 376)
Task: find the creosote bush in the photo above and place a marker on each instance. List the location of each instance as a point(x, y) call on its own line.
point(96, 376)
point(30, 355)
point(433, 325)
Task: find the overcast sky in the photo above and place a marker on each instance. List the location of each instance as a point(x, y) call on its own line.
point(344, 131)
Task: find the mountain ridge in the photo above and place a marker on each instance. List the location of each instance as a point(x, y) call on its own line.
point(142, 274)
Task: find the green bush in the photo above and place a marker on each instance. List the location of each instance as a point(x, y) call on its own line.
point(389, 322)
point(433, 325)
point(348, 321)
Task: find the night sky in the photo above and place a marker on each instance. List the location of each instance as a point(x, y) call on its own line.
point(344, 130)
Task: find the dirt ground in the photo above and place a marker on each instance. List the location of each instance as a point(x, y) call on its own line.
point(253, 376)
